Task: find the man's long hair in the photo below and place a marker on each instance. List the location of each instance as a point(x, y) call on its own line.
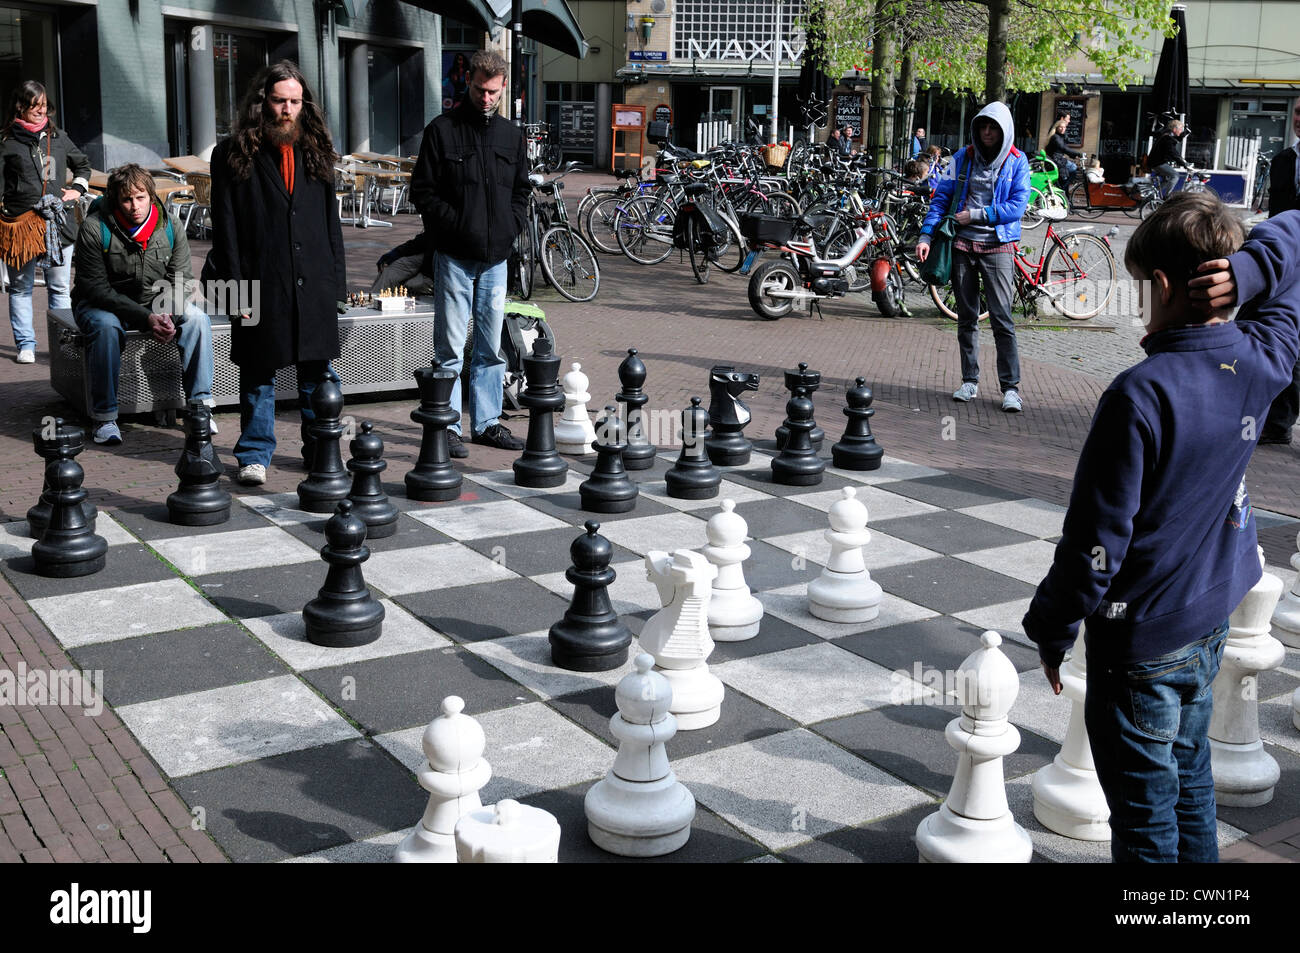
point(126, 179)
point(255, 114)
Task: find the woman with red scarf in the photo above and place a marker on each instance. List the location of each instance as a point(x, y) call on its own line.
point(35, 227)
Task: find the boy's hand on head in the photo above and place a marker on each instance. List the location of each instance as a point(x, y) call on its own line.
point(1213, 291)
point(1053, 673)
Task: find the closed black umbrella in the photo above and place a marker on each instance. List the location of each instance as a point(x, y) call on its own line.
point(814, 86)
point(1170, 93)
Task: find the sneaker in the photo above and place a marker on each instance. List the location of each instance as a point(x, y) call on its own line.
point(454, 447)
point(966, 391)
point(106, 431)
point(254, 474)
point(1011, 402)
point(498, 436)
point(26, 357)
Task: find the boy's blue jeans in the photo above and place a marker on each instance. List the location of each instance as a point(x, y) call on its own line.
point(1149, 727)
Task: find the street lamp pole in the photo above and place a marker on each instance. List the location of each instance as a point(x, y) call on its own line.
point(774, 136)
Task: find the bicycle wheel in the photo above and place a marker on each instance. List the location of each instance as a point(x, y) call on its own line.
point(569, 264)
point(730, 255)
point(598, 222)
point(1079, 277)
point(645, 230)
point(1149, 206)
point(696, 251)
point(891, 300)
point(783, 205)
point(1079, 203)
point(945, 299)
point(1033, 216)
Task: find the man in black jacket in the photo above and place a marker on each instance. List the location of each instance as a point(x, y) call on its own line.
point(1282, 198)
point(1166, 158)
point(471, 186)
point(276, 234)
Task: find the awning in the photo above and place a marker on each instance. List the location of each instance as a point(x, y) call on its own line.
point(474, 13)
point(552, 23)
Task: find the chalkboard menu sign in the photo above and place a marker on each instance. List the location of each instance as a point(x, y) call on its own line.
point(848, 112)
point(1077, 110)
point(578, 126)
point(663, 113)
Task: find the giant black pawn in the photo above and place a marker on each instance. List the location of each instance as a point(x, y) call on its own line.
point(328, 482)
point(199, 500)
point(55, 438)
point(68, 547)
point(728, 414)
point(809, 381)
point(640, 452)
point(590, 637)
point(540, 465)
point(344, 613)
point(693, 476)
point(798, 463)
point(608, 489)
point(434, 479)
point(857, 449)
point(369, 501)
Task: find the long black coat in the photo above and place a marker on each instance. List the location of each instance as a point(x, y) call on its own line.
point(292, 246)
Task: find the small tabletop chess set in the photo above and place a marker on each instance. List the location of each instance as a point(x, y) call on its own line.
point(390, 299)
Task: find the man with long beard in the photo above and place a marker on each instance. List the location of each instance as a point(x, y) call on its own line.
point(275, 231)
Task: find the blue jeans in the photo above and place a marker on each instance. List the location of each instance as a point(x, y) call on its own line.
point(256, 442)
point(58, 282)
point(998, 271)
point(1170, 175)
point(105, 338)
point(462, 288)
point(1149, 726)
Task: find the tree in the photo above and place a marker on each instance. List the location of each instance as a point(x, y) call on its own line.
point(990, 46)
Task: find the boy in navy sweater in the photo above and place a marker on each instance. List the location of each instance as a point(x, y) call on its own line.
point(1159, 545)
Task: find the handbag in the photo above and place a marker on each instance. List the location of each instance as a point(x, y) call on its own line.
point(937, 267)
point(22, 238)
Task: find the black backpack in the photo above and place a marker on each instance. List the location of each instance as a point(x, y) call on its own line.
point(523, 324)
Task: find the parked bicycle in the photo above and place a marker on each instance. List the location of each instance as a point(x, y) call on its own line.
point(1075, 272)
point(568, 262)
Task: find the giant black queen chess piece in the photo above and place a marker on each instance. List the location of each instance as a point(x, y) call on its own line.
point(728, 415)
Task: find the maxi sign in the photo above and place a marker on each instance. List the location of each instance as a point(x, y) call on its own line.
point(735, 50)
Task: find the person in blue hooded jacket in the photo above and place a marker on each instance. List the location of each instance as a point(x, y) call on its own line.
point(989, 207)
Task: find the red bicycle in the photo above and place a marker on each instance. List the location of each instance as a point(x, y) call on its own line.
point(1075, 272)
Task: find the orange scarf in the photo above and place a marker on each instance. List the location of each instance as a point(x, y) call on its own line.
point(286, 167)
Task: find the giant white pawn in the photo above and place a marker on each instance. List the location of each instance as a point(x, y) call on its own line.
point(1295, 709)
point(845, 591)
point(640, 809)
point(1068, 797)
point(1286, 617)
point(1244, 773)
point(974, 824)
point(453, 775)
point(508, 833)
point(678, 635)
point(574, 433)
point(734, 612)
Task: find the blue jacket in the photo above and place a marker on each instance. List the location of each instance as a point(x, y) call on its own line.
point(1010, 194)
point(1159, 542)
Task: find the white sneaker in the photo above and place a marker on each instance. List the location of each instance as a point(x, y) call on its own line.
point(254, 474)
point(966, 391)
point(26, 357)
point(1011, 402)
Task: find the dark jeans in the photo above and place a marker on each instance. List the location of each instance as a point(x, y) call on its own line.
point(256, 442)
point(997, 271)
point(1149, 726)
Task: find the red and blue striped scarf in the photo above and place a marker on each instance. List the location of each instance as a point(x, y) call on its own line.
point(140, 234)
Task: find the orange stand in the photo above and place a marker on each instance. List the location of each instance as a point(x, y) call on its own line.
point(628, 120)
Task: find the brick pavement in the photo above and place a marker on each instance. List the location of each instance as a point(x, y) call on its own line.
point(77, 787)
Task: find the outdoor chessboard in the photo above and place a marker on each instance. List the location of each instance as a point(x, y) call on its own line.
point(827, 748)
